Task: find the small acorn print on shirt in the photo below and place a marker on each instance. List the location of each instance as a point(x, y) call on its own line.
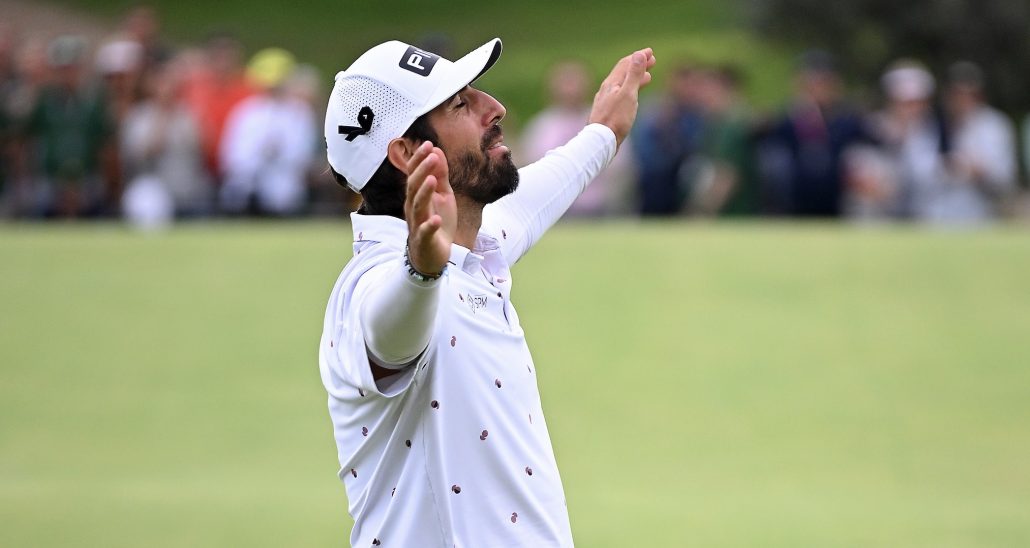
point(497, 382)
point(529, 471)
point(434, 404)
point(484, 435)
point(456, 489)
point(364, 431)
point(454, 340)
point(353, 472)
point(514, 517)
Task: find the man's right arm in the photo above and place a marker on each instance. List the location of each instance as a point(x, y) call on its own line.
point(397, 318)
point(399, 312)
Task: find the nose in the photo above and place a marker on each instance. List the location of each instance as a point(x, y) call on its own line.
point(490, 109)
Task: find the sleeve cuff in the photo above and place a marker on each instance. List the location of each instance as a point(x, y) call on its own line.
point(605, 133)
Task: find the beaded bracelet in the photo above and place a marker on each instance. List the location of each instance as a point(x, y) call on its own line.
point(420, 276)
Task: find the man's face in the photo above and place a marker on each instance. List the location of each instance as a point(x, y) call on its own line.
point(468, 130)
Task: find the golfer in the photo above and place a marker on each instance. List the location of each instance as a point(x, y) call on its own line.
point(432, 389)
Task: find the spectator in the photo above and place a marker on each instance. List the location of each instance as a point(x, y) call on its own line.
point(801, 156)
point(8, 81)
point(729, 185)
point(68, 127)
point(1026, 144)
point(118, 64)
point(666, 136)
point(160, 144)
point(983, 161)
point(31, 73)
point(143, 27)
point(569, 93)
point(214, 86)
point(914, 136)
point(325, 197)
point(269, 143)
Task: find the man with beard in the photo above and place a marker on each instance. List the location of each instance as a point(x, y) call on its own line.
point(432, 389)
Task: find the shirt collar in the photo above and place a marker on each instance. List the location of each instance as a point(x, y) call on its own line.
point(394, 233)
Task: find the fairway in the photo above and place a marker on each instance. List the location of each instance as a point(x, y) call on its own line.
point(705, 384)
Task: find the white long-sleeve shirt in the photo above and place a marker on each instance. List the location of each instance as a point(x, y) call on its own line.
point(452, 450)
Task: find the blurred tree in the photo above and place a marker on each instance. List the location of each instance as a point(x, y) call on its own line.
point(867, 35)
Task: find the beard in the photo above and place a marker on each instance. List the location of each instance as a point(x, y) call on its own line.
point(477, 176)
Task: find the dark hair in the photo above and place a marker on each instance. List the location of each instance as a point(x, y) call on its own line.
point(384, 193)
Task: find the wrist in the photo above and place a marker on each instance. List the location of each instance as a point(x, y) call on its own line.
point(418, 275)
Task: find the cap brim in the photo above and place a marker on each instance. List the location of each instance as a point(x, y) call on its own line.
point(464, 71)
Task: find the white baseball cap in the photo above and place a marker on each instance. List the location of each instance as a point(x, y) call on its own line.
point(381, 94)
point(908, 81)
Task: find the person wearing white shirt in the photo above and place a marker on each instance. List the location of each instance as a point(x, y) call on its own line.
point(984, 158)
point(432, 389)
point(268, 144)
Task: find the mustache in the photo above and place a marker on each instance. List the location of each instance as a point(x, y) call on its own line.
point(491, 136)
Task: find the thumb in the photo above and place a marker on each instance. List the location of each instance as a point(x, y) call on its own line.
point(637, 68)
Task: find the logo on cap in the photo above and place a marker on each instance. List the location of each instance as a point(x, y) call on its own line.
point(419, 61)
point(365, 117)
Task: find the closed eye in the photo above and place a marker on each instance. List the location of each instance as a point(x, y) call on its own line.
point(458, 101)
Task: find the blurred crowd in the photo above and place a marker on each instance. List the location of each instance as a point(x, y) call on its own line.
point(132, 127)
point(931, 151)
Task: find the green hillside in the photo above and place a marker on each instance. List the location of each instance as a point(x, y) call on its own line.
point(331, 33)
point(706, 385)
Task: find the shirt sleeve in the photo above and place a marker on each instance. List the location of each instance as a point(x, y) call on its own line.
point(397, 315)
point(997, 151)
point(546, 190)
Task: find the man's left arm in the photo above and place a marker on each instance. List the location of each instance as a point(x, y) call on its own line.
point(548, 187)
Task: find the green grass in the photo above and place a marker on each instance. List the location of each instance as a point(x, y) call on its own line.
point(332, 33)
point(706, 385)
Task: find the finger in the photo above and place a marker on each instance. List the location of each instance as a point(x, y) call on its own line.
point(421, 152)
point(439, 202)
point(636, 72)
point(618, 73)
point(648, 55)
point(422, 203)
point(419, 174)
point(442, 171)
point(426, 229)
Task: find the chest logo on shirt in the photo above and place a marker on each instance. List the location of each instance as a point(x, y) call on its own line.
point(474, 302)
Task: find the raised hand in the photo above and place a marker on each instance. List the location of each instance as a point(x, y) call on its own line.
point(430, 210)
point(615, 104)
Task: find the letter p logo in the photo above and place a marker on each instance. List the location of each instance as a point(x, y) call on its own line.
point(418, 61)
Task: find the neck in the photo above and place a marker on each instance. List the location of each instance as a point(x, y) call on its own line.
point(470, 219)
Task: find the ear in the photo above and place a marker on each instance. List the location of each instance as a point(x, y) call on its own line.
point(399, 151)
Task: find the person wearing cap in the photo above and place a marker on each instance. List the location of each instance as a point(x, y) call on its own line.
point(432, 389)
point(269, 141)
point(916, 136)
